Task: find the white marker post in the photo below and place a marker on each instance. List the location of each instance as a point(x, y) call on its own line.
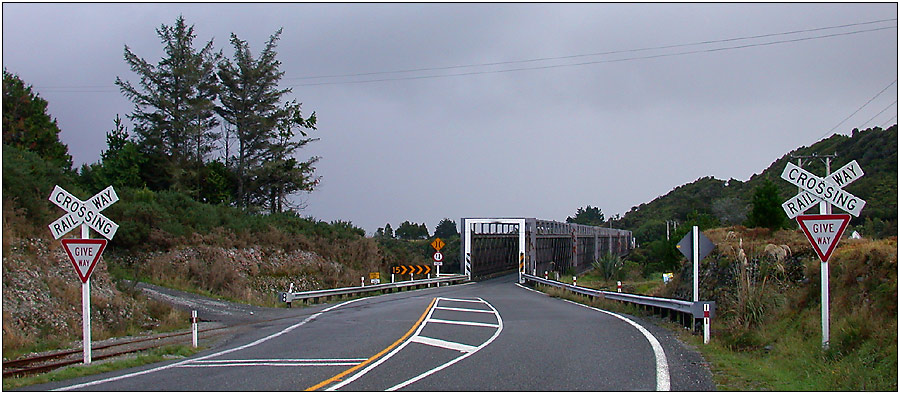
point(695, 234)
point(194, 329)
point(706, 323)
point(86, 307)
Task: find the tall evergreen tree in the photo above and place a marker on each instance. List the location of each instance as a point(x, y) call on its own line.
point(174, 108)
point(446, 229)
point(122, 160)
point(282, 174)
point(591, 216)
point(264, 127)
point(28, 126)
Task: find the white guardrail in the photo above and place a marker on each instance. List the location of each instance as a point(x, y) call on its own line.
point(704, 310)
point(316, 295)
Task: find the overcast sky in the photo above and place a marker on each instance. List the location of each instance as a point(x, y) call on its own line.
point(560, 124)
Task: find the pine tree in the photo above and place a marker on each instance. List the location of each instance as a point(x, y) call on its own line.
point(264, 128)
point(446, 229)
point(174, 108)
point(122, 160)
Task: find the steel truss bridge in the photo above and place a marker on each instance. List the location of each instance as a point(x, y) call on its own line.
point(494, 245)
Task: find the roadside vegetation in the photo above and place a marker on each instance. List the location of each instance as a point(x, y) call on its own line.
point(169, 352)
point(767, 331)
point(209, 203)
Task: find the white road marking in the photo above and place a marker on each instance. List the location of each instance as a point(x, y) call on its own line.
point(447, 308)
point(462, 323)
point(425, 322)
point(460, 358)
point(268, 365)
point(180, 363)
point(662, 365)
point(459, 300)
point(443, 344)
point(275, 362)
point(291, 360)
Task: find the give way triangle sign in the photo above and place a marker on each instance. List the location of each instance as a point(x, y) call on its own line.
point(823, 232)
point(84, 254)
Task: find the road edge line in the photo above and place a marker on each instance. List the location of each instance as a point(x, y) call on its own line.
point(663, 381)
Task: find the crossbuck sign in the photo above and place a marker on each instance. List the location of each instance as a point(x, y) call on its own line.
point(816, 189)
point(823, 230)
point(83, 212)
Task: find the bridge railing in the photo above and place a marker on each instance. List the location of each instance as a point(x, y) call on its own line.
point(319, 295)
point(699, 310)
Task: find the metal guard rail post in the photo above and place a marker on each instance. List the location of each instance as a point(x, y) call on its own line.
point(315, 294)
point(695, 309)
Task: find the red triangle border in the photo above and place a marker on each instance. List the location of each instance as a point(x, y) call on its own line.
point(824, 256)
point(100, 241)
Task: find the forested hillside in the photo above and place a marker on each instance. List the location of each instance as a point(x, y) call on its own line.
point(728, 202)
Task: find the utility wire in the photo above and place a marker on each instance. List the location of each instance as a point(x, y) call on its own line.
point(592, 62)
point(857, 110)
point(879, 113)
point(592, 54)
point(89, 89)
point(888, 122)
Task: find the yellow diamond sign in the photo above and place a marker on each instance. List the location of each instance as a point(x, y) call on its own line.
point(437, 244)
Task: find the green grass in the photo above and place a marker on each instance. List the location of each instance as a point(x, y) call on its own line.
point(143, 358)
point(794, 359)
point(592, 280)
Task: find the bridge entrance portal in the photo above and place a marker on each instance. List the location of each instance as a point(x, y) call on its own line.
point(494, 245)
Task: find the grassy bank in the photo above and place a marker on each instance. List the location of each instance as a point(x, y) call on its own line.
point(767, 333)
point(148, 357)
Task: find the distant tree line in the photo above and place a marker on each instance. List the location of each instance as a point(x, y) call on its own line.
point(215, 128)
point(446, 228)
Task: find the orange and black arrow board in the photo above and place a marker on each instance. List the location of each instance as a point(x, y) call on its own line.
point(411, 269)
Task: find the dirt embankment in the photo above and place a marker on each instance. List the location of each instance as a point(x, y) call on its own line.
point(42, 293)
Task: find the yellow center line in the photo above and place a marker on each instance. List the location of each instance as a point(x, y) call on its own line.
point(338, 377)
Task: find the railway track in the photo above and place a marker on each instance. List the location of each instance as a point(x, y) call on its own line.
point(50, 361)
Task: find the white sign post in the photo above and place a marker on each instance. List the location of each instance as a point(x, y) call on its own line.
point(823, 230)
point(83, 253)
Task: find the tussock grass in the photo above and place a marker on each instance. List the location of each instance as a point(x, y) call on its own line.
point(767, 335)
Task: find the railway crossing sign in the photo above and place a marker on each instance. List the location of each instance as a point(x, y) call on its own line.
point(823, 232)
point(83, 212)
point(84, 254)
point(816, 189)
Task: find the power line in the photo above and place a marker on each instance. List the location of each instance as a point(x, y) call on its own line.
point(593, 54)
point(879, 113)
point(858, 109)
point(888, 122)
point(593, 62)
point(89, 89)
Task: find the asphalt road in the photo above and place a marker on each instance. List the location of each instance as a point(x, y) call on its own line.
point(485, 336)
